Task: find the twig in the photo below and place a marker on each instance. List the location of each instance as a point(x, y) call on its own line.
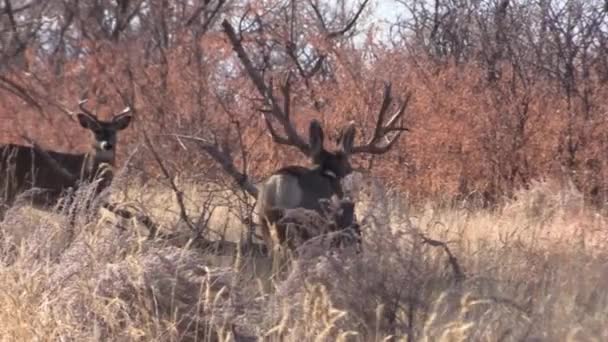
point(459, 275)
point(263, 89)
point(178, 193)
point(145, 220)
point(223, 157)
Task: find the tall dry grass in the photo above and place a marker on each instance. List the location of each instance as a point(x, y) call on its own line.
point(535, 269)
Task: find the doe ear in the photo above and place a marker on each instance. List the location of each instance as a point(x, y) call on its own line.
point(347, 138)
point(122, 121)
point(87, 121)
point(315, 138)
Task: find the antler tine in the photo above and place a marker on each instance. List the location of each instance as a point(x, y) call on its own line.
point(390, 124)
point(126, 110)
point(386, 102)
point(81, 104)
point(383, 128)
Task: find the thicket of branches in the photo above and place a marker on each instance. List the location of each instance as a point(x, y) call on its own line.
point(502, 92)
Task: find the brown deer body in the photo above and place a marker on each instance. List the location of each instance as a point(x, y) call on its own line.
point(46, 175)
point(300, 187)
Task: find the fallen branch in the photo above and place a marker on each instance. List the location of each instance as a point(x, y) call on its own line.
point(126, 214)
point(458, 274)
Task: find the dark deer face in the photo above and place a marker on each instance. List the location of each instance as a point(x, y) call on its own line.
point(104, 132)
point(337, 162)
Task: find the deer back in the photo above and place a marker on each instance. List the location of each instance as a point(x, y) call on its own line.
point(50, 173)
point(25, 167)
point(296, 186)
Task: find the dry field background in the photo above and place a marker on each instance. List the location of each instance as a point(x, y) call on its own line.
point(535, 269)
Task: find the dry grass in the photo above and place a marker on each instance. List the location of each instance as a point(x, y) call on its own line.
point(536, 269)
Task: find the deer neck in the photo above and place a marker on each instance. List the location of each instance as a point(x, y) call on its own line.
point(333, 179)
point(97, 164)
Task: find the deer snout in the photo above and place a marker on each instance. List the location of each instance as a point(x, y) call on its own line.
point(106, 145)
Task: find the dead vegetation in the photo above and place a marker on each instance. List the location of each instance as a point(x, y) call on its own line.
point(485, 221)
point(540, 276)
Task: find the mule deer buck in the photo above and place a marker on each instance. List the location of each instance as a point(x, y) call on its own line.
point(298, 186)
point(303, 187)
point(46, 175)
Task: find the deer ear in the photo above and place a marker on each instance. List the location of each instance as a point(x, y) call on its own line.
point(87, 121)
point(315, 138)
point(122, 121)
point(347, 138)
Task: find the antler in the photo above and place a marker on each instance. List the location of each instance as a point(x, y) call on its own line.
point(124, 111)
point(383, 129)
point(282, 114)
point(291, 138)
point(81, 104)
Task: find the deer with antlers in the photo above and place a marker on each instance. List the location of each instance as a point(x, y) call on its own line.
point(298, 186)
point(45, 175)
point(305, 187)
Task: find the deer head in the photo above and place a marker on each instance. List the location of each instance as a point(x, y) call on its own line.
point(104, 132)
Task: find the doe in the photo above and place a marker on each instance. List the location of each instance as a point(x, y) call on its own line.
point(46, 175)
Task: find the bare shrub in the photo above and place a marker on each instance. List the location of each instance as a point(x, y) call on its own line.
point(108, 281)
point(399, 286)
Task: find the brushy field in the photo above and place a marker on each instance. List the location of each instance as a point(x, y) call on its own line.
point(535, 269)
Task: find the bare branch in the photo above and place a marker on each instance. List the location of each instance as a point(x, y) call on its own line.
point(17, 10)
point(292, 138)
point(342, 31)
point(317, 11)
point(350, 25)
point(456, 269)
point(316, 67)
point(20, 91)
point(222, 155)
point(126, 214)
point(380, 142)
point(197, 12)
point(178, 193)
point(8, 9)
point(122, 24)
point(286, 90)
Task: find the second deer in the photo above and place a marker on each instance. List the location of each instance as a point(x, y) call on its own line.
point(45, 175)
